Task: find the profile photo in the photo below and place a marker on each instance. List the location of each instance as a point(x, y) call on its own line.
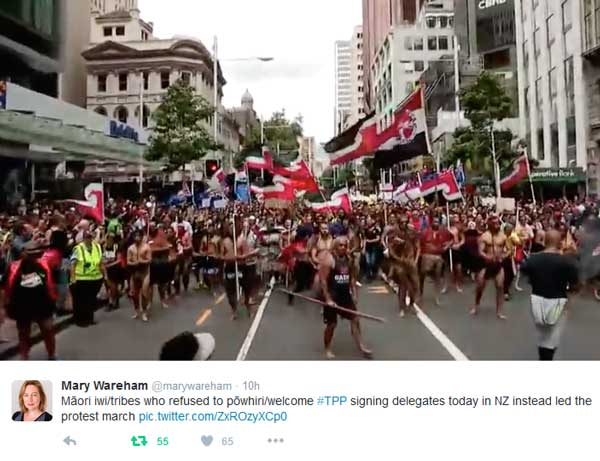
point(32, 401)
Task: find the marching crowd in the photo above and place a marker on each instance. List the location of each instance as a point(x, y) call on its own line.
point(55, 260)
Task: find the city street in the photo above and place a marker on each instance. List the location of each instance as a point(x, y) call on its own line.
point(295, 332)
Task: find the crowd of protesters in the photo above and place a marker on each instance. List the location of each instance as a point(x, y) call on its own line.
point(53, 259)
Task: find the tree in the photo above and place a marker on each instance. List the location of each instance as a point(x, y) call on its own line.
point(280, 134)
point(484, 104)
point(181, 134)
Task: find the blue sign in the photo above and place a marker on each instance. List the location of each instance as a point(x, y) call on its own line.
point(2, 94)
point(241, 192)
point(120, 130)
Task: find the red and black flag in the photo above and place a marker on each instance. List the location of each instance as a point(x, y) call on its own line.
point(406, 137)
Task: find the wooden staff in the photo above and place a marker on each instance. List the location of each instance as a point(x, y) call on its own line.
point(336, 307)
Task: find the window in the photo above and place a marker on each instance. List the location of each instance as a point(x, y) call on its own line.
point(419, 66)
point(418, 43)
point(408, 43)
point(443, 42)
point(567, 19)
point(550, 30)
point(432, 43)
point(186, 77)
point(120, 31)
point(536, 42)
point(443, 22)
point(570, 86)
point(165, 80)
point(145, 118)
point(146, 78)
point(121, 114)
point(108, 31)
point(101, 110)
point(102, 83)
point(430, 21)
point(122, 82)
point(408, 88)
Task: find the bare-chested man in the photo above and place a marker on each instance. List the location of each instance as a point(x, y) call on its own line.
point(320, 245)
point(434, 243)
point(338, 287)
point(210, 249)
point(456, 250)
point(139, 256)
point(492, 250)
point(404, 253)
point(234, 258)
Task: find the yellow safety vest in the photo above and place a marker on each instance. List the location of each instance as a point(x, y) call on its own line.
point(88, 265)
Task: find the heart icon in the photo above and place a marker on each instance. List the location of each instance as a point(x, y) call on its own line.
point(207, 440)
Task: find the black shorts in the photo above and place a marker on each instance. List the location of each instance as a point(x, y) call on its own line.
point(250, 278)
point(116, 274)
point(211, 266)
point(160, 273)
point(492, 270)
point(230, 275)
point(330, 315)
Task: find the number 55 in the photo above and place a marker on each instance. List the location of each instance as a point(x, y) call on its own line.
point(162, 441)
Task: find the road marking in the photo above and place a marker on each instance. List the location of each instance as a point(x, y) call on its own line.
point(438, 334)
point(378, 290)
point(255, 324)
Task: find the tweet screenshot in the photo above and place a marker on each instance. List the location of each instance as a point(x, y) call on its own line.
point(316, 229)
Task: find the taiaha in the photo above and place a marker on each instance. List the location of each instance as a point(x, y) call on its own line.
point(336, 307)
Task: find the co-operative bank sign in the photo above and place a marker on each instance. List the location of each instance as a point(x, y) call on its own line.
point(485, 4)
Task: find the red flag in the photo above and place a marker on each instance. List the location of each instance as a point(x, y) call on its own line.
point(340, 200)
point(93, 205)
point(277, 196)
point(444, 182)
point(520, 171)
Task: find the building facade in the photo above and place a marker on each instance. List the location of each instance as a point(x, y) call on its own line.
point(406, 53)
point(379, 17)
point(591, 71)
point(75, 24)
point(343, 84)
point(553, 104)
point(357, 109)
point(127, 66)
point(30, 39)
point(245, 115)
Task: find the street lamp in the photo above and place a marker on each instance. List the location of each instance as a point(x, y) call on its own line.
point(216, 83)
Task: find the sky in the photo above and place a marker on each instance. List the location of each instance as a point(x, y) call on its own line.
point(298, 34)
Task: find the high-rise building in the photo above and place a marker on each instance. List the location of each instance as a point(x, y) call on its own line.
point(379, 17)
point(30, 44)
point(343, 84)
point(357, 110)
point(552, 93)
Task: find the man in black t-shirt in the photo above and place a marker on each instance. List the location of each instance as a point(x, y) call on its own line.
point(552, 275)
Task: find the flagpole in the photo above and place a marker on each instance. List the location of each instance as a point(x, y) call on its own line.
point(496, 166)
point(248, 183)
point(382, 179)
point(448, 222)
point(530, 181)
point(141, 121)
point(237, 280)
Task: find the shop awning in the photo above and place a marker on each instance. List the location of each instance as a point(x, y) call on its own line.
point(68, 142)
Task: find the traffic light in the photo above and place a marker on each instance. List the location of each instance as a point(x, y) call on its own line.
point(212, 166)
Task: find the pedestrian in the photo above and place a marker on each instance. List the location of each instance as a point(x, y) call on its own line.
point(31, 298)
point(551, 275)
point(86, 279)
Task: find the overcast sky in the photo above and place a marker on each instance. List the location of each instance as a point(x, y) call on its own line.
point(299, 34)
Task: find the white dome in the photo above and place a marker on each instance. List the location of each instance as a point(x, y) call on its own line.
point(247, 98)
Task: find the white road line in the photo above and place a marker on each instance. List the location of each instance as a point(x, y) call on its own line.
point(438, 334)
point(255, 324)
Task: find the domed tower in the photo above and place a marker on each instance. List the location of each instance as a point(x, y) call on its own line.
point(248, 101)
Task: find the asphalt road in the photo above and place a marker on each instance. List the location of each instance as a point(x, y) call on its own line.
point(295, 332)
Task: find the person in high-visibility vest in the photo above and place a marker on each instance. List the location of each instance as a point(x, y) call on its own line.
point(86, 279)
